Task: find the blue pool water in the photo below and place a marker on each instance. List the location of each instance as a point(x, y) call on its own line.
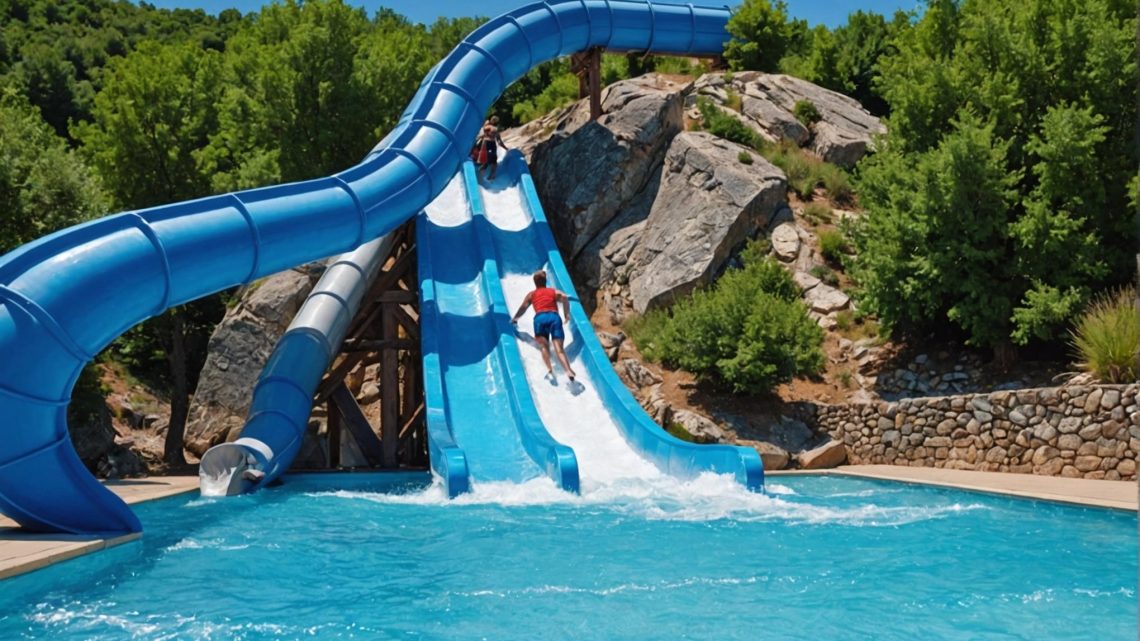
point(820, 558)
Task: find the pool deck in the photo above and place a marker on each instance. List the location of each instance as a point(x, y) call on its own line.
point(1118, 495)
point(22, 552)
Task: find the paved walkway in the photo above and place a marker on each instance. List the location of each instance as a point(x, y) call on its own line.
point(1121, 495)
point(21, 552)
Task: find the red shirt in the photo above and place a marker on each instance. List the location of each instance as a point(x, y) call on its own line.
point(544, 300)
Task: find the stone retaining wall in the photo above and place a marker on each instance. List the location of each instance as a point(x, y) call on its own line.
point(1077, 431)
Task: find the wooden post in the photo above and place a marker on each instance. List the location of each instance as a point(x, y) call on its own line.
point(333, 417)
point(389, 387)
point(588, 67)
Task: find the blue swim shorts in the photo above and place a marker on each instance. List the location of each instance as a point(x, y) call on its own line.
point(548, 325)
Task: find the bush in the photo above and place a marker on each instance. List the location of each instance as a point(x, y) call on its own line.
point(833, 245)
point(825, 274)
point(746, 334)
point(720, 124)
point(806, 112)
point(806, 172)
point(1107, 337)
point(744, 157)
point(816, 213)
point(733, 101)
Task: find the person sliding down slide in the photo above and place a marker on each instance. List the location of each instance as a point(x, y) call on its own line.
point(547, 323)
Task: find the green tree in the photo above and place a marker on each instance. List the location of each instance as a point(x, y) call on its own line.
point(294, 106)
point(44, 186)
point(761, 35)
point(150, 122)
point(932, 245)
point(155, 115)
point(1053, 86)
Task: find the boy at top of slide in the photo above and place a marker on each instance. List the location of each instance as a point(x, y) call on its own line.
point(547, 323)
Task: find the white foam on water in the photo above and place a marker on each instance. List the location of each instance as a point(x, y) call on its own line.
point(219, 485)
point(505, 208)
point(449, 209)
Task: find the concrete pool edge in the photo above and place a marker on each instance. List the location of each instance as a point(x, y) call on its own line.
point(1114, 495)
point(22, 552)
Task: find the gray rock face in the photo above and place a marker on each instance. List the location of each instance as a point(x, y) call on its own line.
point(708, 204)
point(584, 177)
point(842, 136)
point(238, 350)
point(702, 429)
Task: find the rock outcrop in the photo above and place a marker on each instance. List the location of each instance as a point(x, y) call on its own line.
point(708, 205)
point(238, 350)
point(843, 134)
point(587, 173)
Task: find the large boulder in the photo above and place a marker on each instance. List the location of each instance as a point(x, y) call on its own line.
point(830, 454)
point(843, 134)
point(586, 174)
point(708, 204)
point(238, 350)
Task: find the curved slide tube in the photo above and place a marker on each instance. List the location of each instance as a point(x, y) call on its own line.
point(283, 396)
point(474, 391)
point(526, 250)
point(65, 297)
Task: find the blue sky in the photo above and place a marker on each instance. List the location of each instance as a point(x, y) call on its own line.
point(828, 12)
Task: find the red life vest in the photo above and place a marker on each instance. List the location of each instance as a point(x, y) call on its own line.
point(544, 300)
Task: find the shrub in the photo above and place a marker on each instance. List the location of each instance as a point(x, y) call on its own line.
point(733, 101)
point(806, 112)
point(718, 123)
point(844, 377)
point(844, 320)
point(836, 182)
point(833, 245)
point(816, 213)
point(825, 274)
point(1107, 337)
point(747, 333)
point(744, 157)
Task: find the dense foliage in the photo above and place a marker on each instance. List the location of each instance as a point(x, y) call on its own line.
point(1000, 199)
point(746, 334)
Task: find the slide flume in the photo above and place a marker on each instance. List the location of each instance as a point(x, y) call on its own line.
point(475, 393)
point(65, 297)
point(583, 416)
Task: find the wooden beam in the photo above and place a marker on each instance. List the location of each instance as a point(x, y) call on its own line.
point(374, 345)
point(410, 423)
point(389, 389)
point(399, 296)
point(335, 376)
point(333, 417)
point(357, 424)
point(411, 327)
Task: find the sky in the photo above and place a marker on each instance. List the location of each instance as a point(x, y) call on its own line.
point(828, 12)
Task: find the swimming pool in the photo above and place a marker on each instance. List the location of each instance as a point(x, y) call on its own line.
point(819, 558)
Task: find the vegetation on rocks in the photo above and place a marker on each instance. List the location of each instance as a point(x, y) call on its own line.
point(746, 334)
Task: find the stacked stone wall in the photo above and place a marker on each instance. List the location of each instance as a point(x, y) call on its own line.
point(1075, 431)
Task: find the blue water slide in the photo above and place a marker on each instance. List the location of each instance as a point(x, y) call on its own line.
point(65, 297)
point(283, 396)
point(474, 391)
point(532, 248)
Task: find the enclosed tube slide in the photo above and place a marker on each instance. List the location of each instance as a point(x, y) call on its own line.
point(283, 396)
point(65, 297)
point(475, 392)
point(531, 247)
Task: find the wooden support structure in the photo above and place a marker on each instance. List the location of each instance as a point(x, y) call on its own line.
point(587, 65)
point(383, 337)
